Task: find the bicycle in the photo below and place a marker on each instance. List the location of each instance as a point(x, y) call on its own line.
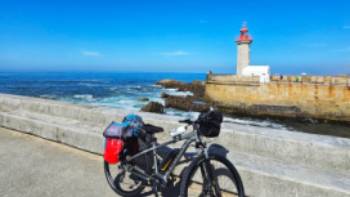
point(161, 172)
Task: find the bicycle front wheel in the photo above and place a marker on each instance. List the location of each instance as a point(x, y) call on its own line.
point(215, 176)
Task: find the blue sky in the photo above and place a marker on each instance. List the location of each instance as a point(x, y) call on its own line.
point(173, 36)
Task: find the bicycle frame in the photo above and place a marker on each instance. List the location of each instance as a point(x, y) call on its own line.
point(189, 137)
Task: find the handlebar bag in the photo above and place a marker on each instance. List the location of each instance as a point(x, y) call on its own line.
point(210, 123)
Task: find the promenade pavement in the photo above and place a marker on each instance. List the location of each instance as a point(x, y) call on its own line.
point(32, 167)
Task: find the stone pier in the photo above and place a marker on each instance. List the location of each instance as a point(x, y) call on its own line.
point(300, 97)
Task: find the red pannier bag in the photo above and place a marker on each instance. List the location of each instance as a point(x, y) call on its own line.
point(113, 148)
point(114, 143)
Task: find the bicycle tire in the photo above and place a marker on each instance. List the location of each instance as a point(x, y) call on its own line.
point(196, 163)
point(116, 187)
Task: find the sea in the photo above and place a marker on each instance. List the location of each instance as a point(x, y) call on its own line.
point(133, 90)
point(124, 90)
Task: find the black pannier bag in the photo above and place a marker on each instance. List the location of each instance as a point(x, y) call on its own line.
point(210, 123)
point(145, 161)
point(135, 145)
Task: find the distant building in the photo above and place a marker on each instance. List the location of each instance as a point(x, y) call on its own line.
point(259, 70)
point(243, 67)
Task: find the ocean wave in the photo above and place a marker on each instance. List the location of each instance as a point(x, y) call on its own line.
point(121, 102)
point(84, 97)
point(175, 92)
point(89, 84)
point(259, 123)
point(140, 89)
point(77, 80)
point(136, 87)
point(184, 114)
point(115, 88)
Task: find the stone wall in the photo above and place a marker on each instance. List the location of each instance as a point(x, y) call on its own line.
point(316, 97)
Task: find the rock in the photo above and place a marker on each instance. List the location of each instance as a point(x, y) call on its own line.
point(143, 99)
point(185, 103)
point(169, 83)
point(154, 107)
point(164, 95)
point(196, 87)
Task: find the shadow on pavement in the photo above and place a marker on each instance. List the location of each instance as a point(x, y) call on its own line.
point(170, 191)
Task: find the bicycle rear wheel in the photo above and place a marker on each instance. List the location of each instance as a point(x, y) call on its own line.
point(211, 177)
point(122, 182)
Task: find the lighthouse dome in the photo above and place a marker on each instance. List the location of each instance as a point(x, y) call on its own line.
point(244, 37)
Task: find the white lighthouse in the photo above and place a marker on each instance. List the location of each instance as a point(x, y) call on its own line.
point(243, 50)
point(243, 67)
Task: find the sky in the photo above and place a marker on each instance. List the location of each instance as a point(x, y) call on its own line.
point(174, 36)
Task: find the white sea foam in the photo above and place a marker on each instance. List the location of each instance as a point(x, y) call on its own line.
point(87, 84)
point(184, 114)
point(121, 102)
point(114, 88)
point(84, 97)
point(259, 123)
point(175, 92)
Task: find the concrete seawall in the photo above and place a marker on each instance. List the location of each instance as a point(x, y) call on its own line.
point(271, 162)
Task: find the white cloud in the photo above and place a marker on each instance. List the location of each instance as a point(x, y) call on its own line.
point(91, 53)
point(346, 27)
point(175, 53)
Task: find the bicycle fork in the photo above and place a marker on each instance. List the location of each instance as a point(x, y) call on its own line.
point(210, 181)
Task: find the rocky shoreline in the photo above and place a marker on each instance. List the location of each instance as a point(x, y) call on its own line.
point(196, 87)
point(194, 102)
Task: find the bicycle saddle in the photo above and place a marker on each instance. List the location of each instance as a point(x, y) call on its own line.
point(151, 129)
